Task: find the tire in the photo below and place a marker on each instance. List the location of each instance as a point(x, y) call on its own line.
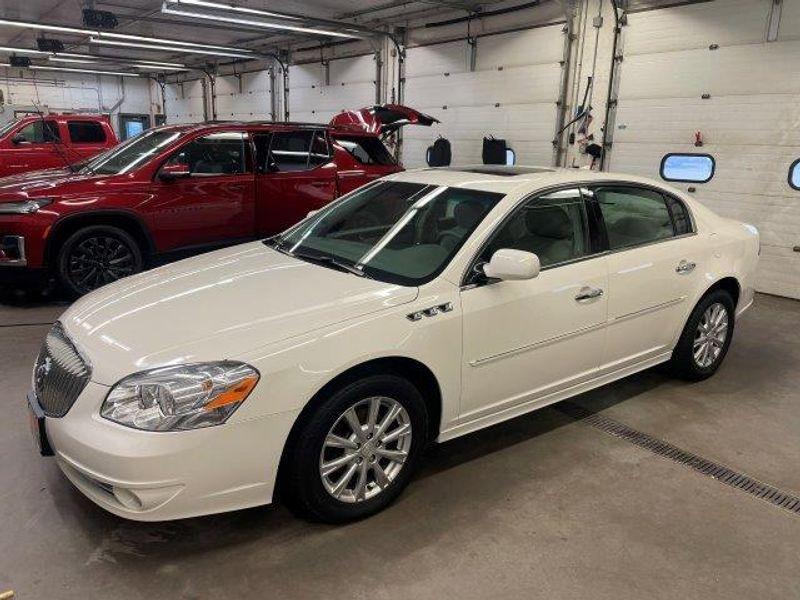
point(308, 492)
point(685, 363)
point(95, 256)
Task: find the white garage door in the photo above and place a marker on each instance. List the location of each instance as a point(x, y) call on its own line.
point(750, 119)
point(511, 94)
point(352, 85)
point(246, 100)
point(185, 102)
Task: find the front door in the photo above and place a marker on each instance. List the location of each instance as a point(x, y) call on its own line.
point(524, 340)
point(294, 176)
point(654, 267)
point(209, 198)
point(35, 146)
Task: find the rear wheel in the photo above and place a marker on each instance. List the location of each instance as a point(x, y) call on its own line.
point(706, 338)
point(357, 452)
point(95, 256)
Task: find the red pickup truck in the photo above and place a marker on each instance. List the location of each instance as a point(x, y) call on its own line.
point(179, 189)
point(39, 142)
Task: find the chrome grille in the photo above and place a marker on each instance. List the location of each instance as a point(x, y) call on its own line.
point(60, 374)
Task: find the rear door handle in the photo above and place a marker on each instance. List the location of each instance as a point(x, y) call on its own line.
point(588, 293)
point(684, 267)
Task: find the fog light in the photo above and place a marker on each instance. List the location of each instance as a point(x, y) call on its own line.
point(127, 498)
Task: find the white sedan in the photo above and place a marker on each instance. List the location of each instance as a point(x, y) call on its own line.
point(318, 364)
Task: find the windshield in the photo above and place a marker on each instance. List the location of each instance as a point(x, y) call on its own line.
point(131, 154)
point(8, 127)
point(399, 232)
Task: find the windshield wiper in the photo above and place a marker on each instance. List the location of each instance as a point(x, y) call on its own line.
point(328, 261)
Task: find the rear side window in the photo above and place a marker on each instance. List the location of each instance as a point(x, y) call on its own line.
point(634, 216)
point(680, 215)
point(40, 132)
point(289, 151)
point(690, 168)
point(86, 132)
point(320, 151)
point(794, 174)
point(366, 150)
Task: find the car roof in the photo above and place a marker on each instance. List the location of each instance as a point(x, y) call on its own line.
point(263, 125)
point(507, 180)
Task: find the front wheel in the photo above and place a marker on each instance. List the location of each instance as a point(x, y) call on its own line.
point(706, 338)
point(357, 452)
point(95, 256)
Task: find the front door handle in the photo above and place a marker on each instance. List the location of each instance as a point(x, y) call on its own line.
point(588, 293)
point(685, 267)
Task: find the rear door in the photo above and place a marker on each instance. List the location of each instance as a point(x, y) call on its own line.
point(214, 202)
point(85, 138)
point(35, 145)
point(295, 174)
point(655, 264)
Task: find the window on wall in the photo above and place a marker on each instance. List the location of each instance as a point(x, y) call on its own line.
point(40, 132)
point(86, 132)
point(794, 174)
point(132, 125)
point(693, 168)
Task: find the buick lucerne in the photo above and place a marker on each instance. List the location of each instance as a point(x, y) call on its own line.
point(317, 364)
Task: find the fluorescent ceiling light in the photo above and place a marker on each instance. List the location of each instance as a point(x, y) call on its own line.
point(21, 50)
point(230, 7)
point(168, 48)
point(151, 67)
point(119, 36)
point(257, 23)
point(75, 57)
point(70, 70)
point(71, 60)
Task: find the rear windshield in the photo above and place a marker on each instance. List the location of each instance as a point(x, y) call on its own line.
point(366, 150)
point(132, 154)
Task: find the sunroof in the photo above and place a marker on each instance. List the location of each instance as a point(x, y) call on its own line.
point(500, 170)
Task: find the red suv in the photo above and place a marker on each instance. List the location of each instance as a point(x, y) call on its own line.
point(175, 190)
point(45, 141)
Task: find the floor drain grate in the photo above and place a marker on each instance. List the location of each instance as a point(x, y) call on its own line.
point(702, 465)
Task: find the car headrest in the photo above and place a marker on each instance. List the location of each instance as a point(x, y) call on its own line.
point(550, 222)
point(467, 214)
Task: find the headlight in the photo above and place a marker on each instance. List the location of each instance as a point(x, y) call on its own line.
point(180, 397)
point(23, 208)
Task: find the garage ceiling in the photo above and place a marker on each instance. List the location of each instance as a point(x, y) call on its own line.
point(145, 18)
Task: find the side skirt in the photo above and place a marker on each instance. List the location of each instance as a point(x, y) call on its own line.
point(542, 401)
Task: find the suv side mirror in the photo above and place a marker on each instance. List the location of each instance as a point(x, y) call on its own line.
point(510, 265)
point(18, 138)
point(174, 171)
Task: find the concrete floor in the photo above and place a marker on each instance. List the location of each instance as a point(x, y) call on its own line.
point(539, 507)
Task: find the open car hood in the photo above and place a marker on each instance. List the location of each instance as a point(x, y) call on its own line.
point(380, 119)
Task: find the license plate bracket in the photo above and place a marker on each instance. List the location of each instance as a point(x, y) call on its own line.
point(37, 426)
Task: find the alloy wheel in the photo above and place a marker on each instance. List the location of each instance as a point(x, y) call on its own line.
point(365, 450)
point(96, 261)
point(711, 335)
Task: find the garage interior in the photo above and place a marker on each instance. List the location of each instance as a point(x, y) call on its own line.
point(583, 499)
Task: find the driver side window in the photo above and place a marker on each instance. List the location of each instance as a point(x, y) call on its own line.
point(214, 154)
point(553, 226)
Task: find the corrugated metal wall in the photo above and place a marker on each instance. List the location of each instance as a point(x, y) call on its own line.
point(185, 102)
point(750, 122)
point(245, 97)
point(511, 93)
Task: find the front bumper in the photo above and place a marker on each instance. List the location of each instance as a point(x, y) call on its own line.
point(158, 476)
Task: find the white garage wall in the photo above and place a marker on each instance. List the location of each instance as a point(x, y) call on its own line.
point(244, 97)
point(185, 102)
point(750, 123)
point(351, 85)
point(511, 94)
point(74, 93)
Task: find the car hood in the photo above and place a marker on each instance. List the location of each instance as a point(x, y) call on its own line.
point(221, 305)
point(38, 184)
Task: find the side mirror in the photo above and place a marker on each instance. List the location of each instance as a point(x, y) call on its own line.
point(511, 265)
point(18, 138)
point(174, 171)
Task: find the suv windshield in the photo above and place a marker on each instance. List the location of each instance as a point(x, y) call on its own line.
point(131, 154)
point(399, 232)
